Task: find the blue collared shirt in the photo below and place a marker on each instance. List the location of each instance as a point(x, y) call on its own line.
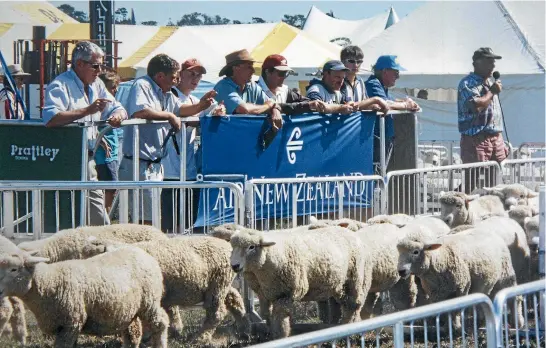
point(489, 119)
point(66, 93)
point(317, 90)
point(374, 88)
point(146, 94)
point(228, 92)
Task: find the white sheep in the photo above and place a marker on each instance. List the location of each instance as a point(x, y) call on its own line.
point(195, 269)
point(456, 159)
point(103, 295)
point(68, 244)
point(532, 232)
point(394, 219)
point(431, 157)
point(12, 310)
point(520, 212)
point(456, 265)
point(514, 238)
point(314, 223)
point(458, 208)
point(315, 265)
point(514, 195)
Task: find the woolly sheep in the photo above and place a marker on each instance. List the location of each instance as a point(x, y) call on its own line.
point(68, 244)
point(513, 194)
point(514, 238)
point(519, 212)
point(12, 310)
point(195, 269)
point(283, 267)
point(456, 265)
point(103, 295)
point(394, 219)
point(458, 208)
point(532, 232)
point(456, 159)
point(431, 157)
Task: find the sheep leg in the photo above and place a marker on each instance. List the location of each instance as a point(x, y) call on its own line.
point(404, 293)
point(215, 311)
point(175, 320)
point(67, 336)
point(17, 321)
point(280, 318)
point(329, 311)
point(235, 305)
point(6, 311)
point(158, 320)
point(353, 297)
point(133, 334)
point(368, 308)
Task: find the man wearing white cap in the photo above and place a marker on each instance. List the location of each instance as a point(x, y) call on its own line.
point(10, 109)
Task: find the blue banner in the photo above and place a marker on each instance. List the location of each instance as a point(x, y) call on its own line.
point(307, 145)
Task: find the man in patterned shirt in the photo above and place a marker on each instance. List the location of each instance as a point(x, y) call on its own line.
point(479, 113)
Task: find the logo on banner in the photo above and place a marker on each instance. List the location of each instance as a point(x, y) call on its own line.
point(33, 152)
point(294, 145)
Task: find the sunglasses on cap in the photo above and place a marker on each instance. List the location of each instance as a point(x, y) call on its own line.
point(355, 61)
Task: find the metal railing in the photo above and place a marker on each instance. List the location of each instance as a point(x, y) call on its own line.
point(399, 323)
point(531, 172)
point(286, 203)
point(525, 302)
point(53, 205)
point(416, 191)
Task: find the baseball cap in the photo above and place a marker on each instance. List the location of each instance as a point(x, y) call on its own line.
point(276, 61)
point(388, 62)
point(484, 52)
point(193, 64)
point(334, 65)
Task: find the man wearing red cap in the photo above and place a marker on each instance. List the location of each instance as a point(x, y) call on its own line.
point(275, 69)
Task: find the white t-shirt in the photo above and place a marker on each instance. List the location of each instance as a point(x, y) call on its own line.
point(280, 97)
point(171, 161)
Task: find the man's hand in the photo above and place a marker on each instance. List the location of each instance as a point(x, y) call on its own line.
point(347, 109)
point(116, 119)
point(207, 100)
point(97, 106)
point(381, 104)
point(276, 119)
point(175, 122)
point(317, 105)
point(220, 110)
point(496, 87)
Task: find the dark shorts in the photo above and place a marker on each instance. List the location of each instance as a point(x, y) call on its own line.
point(483, 147)
point(108, 171)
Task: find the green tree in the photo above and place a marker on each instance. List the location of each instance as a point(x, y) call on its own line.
point(258, 20)
point(294, 20)
point(80, 16)
point(197, 18)
point(149, 23)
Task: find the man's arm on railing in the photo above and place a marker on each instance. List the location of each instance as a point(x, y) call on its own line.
point(150, 114)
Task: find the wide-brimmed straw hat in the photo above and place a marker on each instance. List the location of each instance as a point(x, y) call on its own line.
point(235, 58)
point(16, 70)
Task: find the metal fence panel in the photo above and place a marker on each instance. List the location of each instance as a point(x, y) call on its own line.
point(417, 191)
point(432, 325)
point(531, 172)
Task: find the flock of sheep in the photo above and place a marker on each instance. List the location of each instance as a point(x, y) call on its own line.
point(129, 280)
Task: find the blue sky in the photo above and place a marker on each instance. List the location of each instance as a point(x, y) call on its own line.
point(161, 11)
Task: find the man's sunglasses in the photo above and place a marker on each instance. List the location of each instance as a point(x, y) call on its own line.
point(283, 73)
point(95, 66)
point(355, 61)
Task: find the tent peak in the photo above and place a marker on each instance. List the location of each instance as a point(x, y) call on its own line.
point(393, 18)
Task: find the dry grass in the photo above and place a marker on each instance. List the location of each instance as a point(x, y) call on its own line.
point(305, 313)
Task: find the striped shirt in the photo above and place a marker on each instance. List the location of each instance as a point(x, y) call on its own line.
point(9, 108)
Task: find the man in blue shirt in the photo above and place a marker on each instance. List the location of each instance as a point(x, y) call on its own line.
point(385, 73)
point(239, 94)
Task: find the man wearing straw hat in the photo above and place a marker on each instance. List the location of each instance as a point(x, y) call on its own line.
point(10, 108)
point(239, 94)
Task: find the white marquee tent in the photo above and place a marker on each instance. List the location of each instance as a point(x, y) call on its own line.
point(435, 44)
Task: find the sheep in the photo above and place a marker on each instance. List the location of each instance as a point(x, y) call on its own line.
point(431, 157)
point(520, 212)
point(514, 238)
point(456, 265)
point(513, 195)
point(456, 159)
point(532, 232)
point(283, 267)
point(12, 310)
point(67, 244)
point(458, 208)
point(103, 295)
point(350, 224)
point(195, 269)
point(395, 219)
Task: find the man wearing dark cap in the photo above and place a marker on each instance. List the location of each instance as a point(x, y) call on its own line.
point(479, 113)
point(275, 69)
point(328, 90)
point(239, 94)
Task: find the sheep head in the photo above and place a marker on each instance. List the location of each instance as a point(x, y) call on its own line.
point(16, 273)
point(531, 226)
point(412, 258)
point(226, 231)
point(248, 249)
point(517, 194)
point(454, 207)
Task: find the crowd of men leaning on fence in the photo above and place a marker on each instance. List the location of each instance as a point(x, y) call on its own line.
point(165, 94)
